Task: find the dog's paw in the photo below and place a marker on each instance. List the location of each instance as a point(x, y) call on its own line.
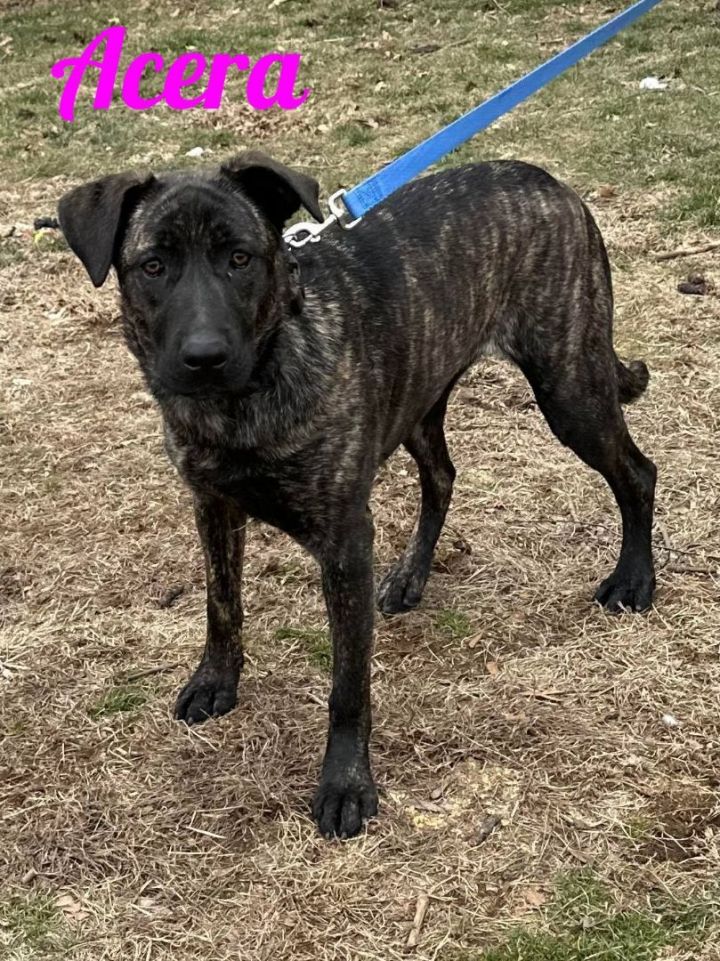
point(626, 591)
point(342, 802)
point(207, 694)
point(400, 590)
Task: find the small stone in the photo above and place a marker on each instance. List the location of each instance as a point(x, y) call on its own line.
point(654, 83)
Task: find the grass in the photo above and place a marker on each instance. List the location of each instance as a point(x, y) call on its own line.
point(181, 841)
point(455, 625)
point(11, 255)
point(31, 925)
point(353, 135)
point(627, 936)
point(583, 924)
point(702, 206)
point(314, 641)
point(118, 700)
point(638, 828)
point(409, 94)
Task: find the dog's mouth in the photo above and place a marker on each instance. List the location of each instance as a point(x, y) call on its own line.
point(168, 387)
point(234, 380)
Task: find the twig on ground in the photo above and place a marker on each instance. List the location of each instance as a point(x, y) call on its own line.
point(665, 536)
point(420, 912)
point(703, 571)
point(687, 252)
point(138, 675)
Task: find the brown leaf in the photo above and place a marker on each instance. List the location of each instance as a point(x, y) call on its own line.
point(534, 896)
point(72, 909)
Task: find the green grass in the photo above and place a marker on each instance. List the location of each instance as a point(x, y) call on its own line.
point(119, 700)
point(584, 923)
point(315, 641)
point(353, 134)
point(453, 624)
point(594, 125)
point(701, 205)
point(11, 254)
point(32, 925)
point(638, 827)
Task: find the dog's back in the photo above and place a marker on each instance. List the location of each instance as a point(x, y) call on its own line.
point(489, 257)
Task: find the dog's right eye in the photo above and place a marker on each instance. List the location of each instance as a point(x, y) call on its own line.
point(239, 258)
point(153, 268)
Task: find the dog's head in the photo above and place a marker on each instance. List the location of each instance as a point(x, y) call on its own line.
point(204, 276)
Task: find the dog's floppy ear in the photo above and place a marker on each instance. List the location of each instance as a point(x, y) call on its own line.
point(276, 189)
point(94, 216)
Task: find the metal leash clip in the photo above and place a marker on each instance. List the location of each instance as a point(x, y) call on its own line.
point(306, 232)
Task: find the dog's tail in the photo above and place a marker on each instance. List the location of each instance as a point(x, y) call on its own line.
point(632, 380)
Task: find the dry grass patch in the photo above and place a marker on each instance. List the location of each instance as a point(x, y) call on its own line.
point(506, 698)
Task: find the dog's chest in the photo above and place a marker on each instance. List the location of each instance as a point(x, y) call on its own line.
point(279, 493)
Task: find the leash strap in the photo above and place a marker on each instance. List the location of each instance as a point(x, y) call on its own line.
point(380, 185)
point(348, 207)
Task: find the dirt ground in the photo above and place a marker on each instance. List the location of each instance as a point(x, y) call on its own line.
point(580, 743)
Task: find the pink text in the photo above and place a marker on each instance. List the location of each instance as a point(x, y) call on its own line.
point(104, 53)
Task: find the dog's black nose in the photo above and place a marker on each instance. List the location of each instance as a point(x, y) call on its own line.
point(204, 353)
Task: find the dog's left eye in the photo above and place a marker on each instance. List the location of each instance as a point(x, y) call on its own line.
point(153, 267)
point(239, 259)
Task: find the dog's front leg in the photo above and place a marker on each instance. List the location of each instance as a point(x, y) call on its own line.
point(346, 794)
point(212, 690)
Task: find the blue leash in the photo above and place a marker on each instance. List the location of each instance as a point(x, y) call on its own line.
point(372, 191)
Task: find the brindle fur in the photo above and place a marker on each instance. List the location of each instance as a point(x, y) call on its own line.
point(319, 386)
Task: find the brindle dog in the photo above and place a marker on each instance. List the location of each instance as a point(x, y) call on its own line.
point(284, 383)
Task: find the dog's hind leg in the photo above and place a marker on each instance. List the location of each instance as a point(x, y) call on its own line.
point(212, 690)
point(402, 587)
point(580, 395)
